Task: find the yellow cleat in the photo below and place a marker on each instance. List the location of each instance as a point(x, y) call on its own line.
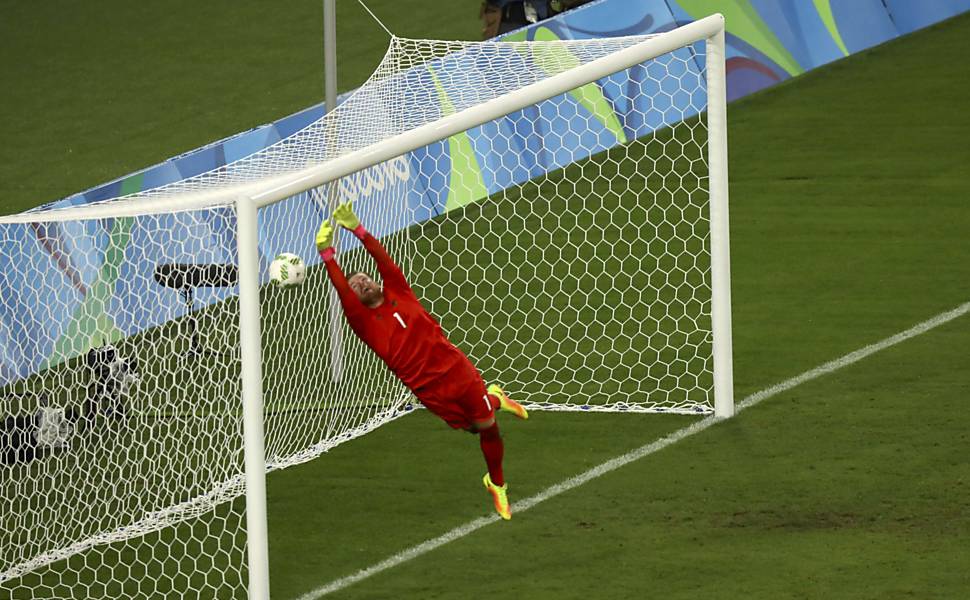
point(498, 497)
point(507, 404)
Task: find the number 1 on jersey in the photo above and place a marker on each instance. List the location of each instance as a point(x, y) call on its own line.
point(400, 320)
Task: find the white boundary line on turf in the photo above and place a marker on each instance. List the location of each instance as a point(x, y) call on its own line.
point(633, 455)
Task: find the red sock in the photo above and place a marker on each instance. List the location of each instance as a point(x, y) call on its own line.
point(493, 401)
point(493, 449)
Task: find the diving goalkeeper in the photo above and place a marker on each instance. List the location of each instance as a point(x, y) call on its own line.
point(392, 322)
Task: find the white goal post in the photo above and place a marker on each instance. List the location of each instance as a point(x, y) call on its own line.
point(611, 250)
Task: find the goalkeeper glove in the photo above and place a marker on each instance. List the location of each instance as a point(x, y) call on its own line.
point(325, 236)
point(345, 217)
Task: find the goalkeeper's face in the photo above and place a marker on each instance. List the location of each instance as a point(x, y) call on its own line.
point(366, 289)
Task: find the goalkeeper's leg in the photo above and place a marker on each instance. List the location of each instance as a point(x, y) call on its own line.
point(482, 416)
point(501, 401)
point(463, 402)
point(494, 450)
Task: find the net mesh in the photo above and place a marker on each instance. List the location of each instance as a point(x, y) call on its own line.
point(403, 93)
point(143, 429)
point(563, 247)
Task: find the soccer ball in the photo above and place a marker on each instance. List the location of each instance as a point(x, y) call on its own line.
point(287, 270)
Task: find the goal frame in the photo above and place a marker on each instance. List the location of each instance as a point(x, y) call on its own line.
point(709, 29)
point(249, 197)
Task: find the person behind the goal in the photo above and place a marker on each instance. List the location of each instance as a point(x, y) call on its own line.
point(392, 322)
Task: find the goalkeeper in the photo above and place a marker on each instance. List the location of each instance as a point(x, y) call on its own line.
point(392, 322)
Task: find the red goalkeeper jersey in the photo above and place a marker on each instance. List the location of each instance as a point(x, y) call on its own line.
point(400, 331)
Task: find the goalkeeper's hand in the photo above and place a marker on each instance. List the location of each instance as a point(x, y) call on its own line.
point(325, 236)
point(345, 217)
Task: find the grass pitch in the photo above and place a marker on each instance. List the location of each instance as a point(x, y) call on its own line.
point(849, 224)
point(95, 93)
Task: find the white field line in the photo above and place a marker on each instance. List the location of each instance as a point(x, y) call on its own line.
point(619, 461)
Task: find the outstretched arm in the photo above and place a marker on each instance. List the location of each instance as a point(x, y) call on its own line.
point(390, 272)
point(348, 299)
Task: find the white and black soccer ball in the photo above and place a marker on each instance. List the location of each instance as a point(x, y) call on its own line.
point(287, 270)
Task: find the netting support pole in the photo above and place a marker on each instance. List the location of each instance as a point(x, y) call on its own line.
point(720, 239)
point(251, 355)
point(330, 103)
point(330, 54)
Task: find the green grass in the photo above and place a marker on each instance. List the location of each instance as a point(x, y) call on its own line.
point(849, 221)
point(610, 322)
point(182, 434)
point(849, 224)
point(852, 486)
point(93, 93)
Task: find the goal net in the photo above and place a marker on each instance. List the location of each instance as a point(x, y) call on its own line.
point(555, 204)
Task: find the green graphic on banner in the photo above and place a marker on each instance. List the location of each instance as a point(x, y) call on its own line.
point(90, 325)
point(743, 21)
point(556, 59)
point(465, 183)
point(824, 8)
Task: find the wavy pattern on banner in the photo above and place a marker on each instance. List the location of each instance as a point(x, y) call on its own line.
point(768, 41)
point(824, 9)
point(465, 183)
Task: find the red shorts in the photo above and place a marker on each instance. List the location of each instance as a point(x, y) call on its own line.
point(458, 397)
